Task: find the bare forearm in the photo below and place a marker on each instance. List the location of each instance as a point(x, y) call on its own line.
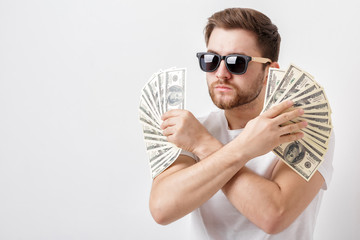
point(272, 204)
point(255, 197)
point(179, 193)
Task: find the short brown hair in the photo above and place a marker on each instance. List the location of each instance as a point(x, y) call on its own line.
point(248, 19)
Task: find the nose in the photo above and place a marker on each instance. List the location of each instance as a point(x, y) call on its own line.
point(222, 72)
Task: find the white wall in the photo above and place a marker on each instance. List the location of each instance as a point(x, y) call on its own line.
point(72, 159)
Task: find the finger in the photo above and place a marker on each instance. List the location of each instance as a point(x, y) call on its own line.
point(291, 109)
point(291, 137)
point(168, 131)
point(171, 113)
point(287, 116)
point(292, 128)
point(277, 109)
point(168, 122)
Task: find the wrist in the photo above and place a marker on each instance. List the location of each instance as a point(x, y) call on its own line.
point(239, 149)
point(207, 145)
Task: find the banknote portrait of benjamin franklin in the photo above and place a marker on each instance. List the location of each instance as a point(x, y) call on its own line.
point(294, 153)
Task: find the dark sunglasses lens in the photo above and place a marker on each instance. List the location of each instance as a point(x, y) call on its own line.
point(236, 64)
point(209, 62)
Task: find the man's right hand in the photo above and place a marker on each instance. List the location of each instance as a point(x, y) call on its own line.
point(186, 132)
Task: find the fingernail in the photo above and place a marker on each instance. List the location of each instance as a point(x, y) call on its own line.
point(301, 111)
point(290, 103)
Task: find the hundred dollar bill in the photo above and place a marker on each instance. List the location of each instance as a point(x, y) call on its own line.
point(152, 130)
point(301, 85)
point(317, 107)
point(320, 138)
point(311, 122)
point(317, 114)
point(161, 81)
point(309, 138)
point(313, 147)
point(316, 96)
point(147, 123)
point(304, 92)
point(156, 157)
point(315, 120)
point(166, 164)
point(274, 77)
point(147, 116)
point(154, 138)
point(150, 136)
point(316, 145)
point(163, 161)
point(292, 73)
point(153, 87)
point(153, 146)
point(321, 129)
point(312, 137)
point(146, 103)
point(300, 158)
point(175, 89)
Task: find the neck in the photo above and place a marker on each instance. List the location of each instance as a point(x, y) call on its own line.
point(238, 117)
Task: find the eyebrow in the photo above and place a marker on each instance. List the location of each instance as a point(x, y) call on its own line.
point(240, 53)
point(211, 51)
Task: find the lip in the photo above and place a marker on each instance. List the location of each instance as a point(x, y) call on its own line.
point(223, 88)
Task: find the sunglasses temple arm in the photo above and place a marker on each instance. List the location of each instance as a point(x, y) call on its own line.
point(261, 60)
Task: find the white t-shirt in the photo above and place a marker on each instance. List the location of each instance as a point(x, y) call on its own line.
point(219, 219)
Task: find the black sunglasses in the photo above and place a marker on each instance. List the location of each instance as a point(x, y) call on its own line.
point(235, 63)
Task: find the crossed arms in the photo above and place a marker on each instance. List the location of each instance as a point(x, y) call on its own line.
point(272, 204)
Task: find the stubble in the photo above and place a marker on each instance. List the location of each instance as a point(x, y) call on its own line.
point(240, 97)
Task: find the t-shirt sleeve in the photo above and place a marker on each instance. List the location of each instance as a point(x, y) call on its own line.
point(326, 168)
point(190, 154)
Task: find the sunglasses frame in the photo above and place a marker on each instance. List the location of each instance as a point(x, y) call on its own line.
point(246, 58)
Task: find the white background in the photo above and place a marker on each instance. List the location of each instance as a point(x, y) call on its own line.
point(72, 158)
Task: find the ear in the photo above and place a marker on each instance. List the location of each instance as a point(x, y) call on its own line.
point(271, 65)
point(274, 65)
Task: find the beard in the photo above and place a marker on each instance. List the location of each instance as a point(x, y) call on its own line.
point(240, 96)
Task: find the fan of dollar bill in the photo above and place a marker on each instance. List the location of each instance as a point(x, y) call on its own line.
point(305, 155)
point(164, 91)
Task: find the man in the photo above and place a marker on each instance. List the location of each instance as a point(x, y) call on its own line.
point(229, 180)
